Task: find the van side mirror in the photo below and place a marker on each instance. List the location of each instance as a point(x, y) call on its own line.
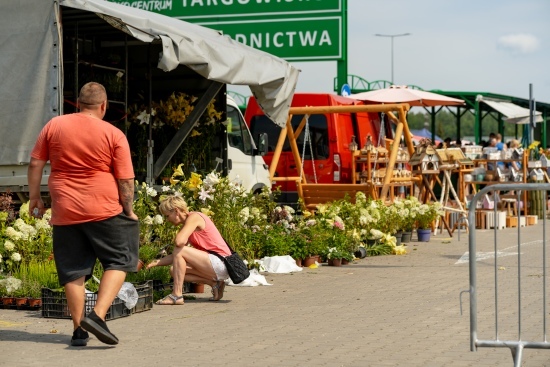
point(262, 144)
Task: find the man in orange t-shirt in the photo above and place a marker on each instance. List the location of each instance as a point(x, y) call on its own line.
point(92, 190)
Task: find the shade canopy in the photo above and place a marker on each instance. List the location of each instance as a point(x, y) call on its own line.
point(514, 113)
point(214, 56)
point(424, 133)
point(402, 94)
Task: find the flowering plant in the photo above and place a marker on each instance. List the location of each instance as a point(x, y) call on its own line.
point(24, 238)
point(427, 214)
point(165, 118)
point(336, 253)
point(9, 285)
point(408, 210)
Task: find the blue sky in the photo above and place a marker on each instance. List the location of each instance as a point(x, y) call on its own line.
point(497, 46)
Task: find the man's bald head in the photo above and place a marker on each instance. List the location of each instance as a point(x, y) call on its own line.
point(92, 94)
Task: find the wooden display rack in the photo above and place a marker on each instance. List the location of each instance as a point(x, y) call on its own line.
point(368, 175)
point(327, 192)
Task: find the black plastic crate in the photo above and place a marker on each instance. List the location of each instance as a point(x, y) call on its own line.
point(145, 297)
point(54, 303)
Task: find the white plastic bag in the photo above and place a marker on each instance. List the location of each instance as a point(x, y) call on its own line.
point(280, 264)
point(128, 294)
point(255, 279)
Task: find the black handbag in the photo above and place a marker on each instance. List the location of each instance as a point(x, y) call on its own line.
point(236, 268)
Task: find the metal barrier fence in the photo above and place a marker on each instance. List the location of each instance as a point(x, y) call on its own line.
point(501, 315)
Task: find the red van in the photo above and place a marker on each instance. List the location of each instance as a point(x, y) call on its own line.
point(328, 160)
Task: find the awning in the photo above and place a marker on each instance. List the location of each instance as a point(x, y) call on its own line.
point(216, 57)
point(514, 113)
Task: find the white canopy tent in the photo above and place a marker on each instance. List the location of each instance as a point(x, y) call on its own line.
point(514, 113)
point(31, 64)
point(214, 56)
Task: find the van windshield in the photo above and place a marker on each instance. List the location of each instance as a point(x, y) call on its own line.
point(237, 132)
point(318, 132)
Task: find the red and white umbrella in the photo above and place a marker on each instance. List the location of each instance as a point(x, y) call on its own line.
point(402, 94)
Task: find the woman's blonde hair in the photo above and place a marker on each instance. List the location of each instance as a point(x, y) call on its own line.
point(514, 143)
point(171, 202)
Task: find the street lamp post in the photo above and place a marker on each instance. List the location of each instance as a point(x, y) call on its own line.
point(392, 36)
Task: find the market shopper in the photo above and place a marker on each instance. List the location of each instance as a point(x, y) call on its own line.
point(193, 263)
point(92, 190)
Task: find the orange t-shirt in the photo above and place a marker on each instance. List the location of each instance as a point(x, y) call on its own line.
point(87, 155)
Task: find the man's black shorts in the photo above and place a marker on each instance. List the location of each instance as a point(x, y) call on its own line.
point(114, 241)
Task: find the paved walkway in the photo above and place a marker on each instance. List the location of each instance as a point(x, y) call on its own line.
point(379, 311)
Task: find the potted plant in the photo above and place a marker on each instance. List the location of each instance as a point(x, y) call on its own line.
point(8, 288)
point(298, 248)
point(407, 210)
point(335, 255)
point(147, 253)
point(426, 215)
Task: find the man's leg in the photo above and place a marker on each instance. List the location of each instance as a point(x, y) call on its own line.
point(76, 299)
point(110, 285)
point(108, 289)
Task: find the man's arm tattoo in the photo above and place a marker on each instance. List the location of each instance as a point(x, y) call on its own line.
point(126, 194)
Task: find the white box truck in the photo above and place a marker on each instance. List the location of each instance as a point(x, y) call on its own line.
point(50, 48)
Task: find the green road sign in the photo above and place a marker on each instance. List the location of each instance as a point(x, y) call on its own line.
point(222, 9)
point(295, 30)
point(291, 39)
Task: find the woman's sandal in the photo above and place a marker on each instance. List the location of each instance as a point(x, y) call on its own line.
point(217, 290)
point(170, 300)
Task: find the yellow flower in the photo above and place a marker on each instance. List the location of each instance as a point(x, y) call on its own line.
point(533, 145)
point(307, 213)
point(195, 181)
point(195, 133)
point(400, 250)
point(178, 171)
point(207, 211)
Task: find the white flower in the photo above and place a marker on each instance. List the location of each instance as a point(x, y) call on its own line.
point(16, 257)
point(0, 258)
point(212, 179)
point(237, 181)
point(13, 234)
point(376, 234)
point(204, 194)
point(42, 224)
point(11, 284)
point(244, 214)
point(148, 220)
point(165, 188)
point(143, 118)
point(158, 219)
point(9, 246)
point(255, 212)
point(24, 211)
point(48, 215)
point(289, 209)
point(27, 231)
point(151, 192)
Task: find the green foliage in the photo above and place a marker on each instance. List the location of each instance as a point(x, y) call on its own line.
point(161, 273)
point(24, 239)
point(34, 275)
point(149, 252)
point(446, 124)
point(379, 248)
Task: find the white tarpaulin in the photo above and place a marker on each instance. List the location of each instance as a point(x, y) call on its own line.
point(216, 57)
point(31, 64)
point(514, 113)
